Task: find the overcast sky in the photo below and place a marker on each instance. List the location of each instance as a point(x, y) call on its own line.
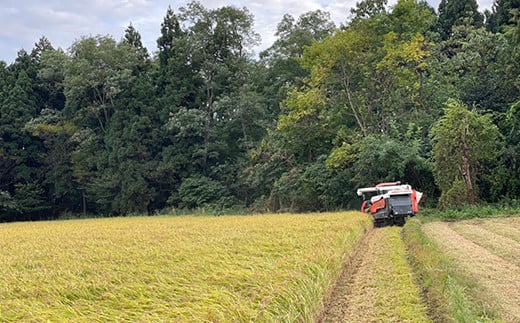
point(23, 22)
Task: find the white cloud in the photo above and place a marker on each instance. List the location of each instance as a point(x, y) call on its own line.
point(23, 22)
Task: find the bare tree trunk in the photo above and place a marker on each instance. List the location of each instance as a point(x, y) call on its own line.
point(84, 203)
point(208, 121)
point(466, 171)
point(346, 86)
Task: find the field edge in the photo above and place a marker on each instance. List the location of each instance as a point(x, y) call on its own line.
point(451, 295)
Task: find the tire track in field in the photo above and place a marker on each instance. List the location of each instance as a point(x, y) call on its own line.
point(503, 247)
point(499, 277)
point(506, 227)
point(377, 284)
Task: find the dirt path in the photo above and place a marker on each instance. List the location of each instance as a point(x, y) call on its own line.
point(499, 277)
point(377, 285)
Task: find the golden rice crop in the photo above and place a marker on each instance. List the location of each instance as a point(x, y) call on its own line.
point(236, 268)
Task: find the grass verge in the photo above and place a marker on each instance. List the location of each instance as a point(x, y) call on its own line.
point(451, 296)
point(465, 212)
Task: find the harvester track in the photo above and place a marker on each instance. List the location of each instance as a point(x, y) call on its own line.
point(376, 284)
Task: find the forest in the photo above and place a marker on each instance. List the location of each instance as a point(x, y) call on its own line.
point(428, 96)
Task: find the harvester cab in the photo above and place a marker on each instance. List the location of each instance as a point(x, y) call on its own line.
point(390, 203)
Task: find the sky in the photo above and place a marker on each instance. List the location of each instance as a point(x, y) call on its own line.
point(24, 22)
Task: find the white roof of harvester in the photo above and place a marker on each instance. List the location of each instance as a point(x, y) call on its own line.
point(388, 189)
point(384, 189)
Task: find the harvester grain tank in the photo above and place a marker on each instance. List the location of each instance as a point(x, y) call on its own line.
point(390, 203)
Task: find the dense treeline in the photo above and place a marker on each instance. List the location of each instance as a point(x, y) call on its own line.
point(430, 98)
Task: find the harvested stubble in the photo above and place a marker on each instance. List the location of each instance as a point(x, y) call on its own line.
point(254, 268)
point(487, 262)
point(488, 238)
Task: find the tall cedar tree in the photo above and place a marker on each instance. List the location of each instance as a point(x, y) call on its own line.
point(458, 12)
point(502, 14)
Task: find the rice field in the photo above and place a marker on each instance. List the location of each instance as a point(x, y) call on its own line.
point(267, 268)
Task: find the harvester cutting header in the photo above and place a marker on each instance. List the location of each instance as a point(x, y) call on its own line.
point(390, 203)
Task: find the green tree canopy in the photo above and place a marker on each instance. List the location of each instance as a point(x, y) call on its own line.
point(458, 12)
point(463, 140)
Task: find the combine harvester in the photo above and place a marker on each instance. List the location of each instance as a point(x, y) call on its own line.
point(390, 203)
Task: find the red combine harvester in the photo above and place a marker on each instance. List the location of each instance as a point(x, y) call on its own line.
point(390, 203)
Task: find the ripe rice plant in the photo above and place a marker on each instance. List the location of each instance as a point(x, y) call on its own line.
point(187, 269)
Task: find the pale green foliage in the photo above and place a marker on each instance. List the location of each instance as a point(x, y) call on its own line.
point(96, 73)
point(382, 159)
point(460, 127)
point(304, 124)
point(456, 195)
point(186, 123)
point(411, 17)
point(6, 201)
point(295, 35)
point(406, 60)
point(343, 155)
point(329, 98)
point(368, 9)
point(367, 76)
